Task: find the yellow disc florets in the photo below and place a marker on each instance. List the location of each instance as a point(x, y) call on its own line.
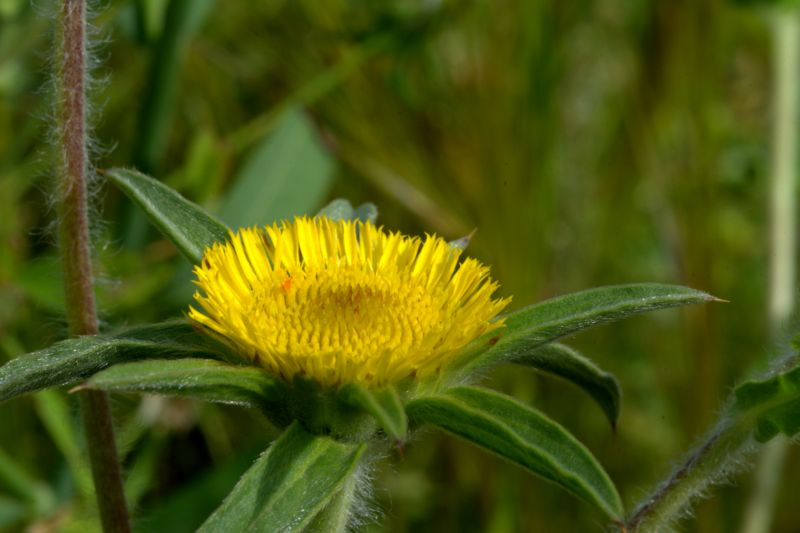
point(343, 301)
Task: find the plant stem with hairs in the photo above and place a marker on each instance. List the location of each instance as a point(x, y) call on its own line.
point(719, 454)
point(783, 241)
point(725, 447)
point(73, 167)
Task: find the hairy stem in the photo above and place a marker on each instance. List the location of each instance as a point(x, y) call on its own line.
point(75, 251)
point(707, 463)
point(783, 241)
point(724, 446)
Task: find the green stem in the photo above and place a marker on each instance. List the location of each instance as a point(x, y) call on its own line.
point(783, 242)
point(711, 460)
point(75, 251)
point(783, 201)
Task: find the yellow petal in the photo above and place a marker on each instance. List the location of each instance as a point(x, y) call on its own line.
point(343, 301)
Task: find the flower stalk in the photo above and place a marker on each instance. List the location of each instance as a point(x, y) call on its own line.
point(71, 59)
point(783, 241)
point(715, 458)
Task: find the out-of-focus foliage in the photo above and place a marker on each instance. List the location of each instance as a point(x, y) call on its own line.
point(589, 142)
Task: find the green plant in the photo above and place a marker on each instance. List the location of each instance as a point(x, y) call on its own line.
point(331, 431)
point(178, 360)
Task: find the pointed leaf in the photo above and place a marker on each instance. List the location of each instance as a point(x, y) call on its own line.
point(551, 319)
point(462, 242)
point(202, 379)
point(383, 404)
point(773, 404)
point(523, 436)
point(288, 174)
point(288, 485)
point(567, 363)
point(74, 360)
point(190, 228)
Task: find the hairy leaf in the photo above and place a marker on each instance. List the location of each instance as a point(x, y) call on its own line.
point(202, 379)
point(74, 360)
point(551, 319)
point(773, 403)
point(567, 363)
point(186, 224)
point(383, 404)
point(522, 435)
point(288, 485)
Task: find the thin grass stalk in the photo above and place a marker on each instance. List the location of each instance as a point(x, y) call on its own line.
point(71, 58)
point(783, 242)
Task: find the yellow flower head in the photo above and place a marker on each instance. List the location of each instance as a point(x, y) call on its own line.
point(343, 301)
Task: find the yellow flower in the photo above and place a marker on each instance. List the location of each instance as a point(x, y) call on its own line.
point(343, 301)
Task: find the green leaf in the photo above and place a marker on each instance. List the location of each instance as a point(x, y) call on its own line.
point(287, 175)
point(567, 363)
point(202, 379)
point(341, 209)
point(462, 242)
point(186, 224)
point(383, 404)
point(773, 404)
point(74, 360)
point(288, 485)
point(523, 436)
point(366, 212)
point(551, 319)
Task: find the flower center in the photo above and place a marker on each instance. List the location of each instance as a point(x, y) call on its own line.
point(343, 301)
point(346, 314)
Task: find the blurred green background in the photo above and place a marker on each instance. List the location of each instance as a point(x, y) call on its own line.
point(589, 142)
